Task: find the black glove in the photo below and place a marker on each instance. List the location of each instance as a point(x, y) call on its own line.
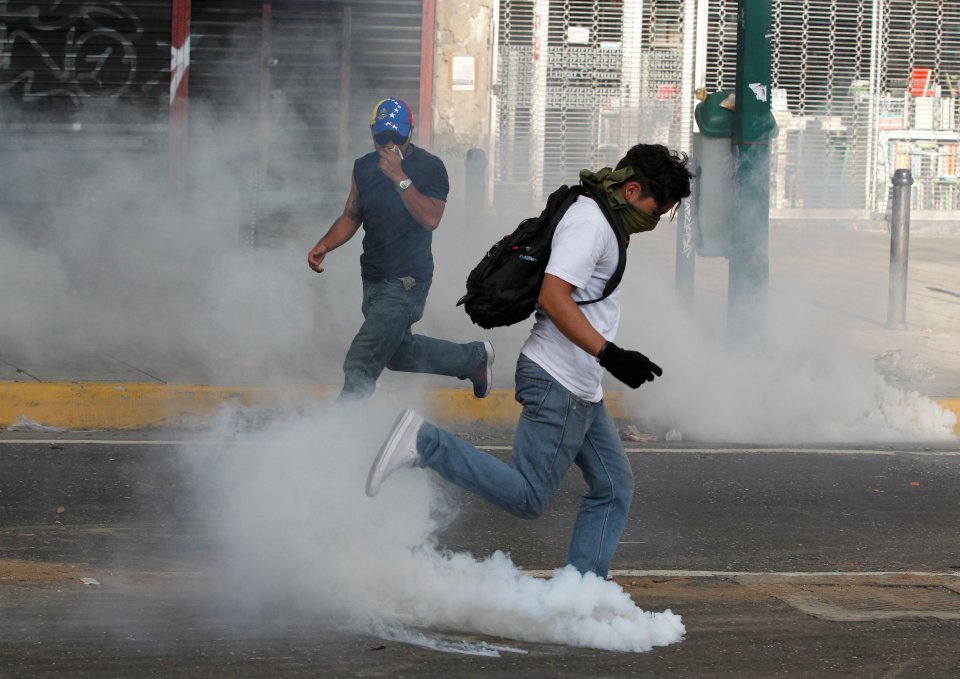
point(630, 367)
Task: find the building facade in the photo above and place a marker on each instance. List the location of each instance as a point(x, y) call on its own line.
point(860, 89)
point(542, 88)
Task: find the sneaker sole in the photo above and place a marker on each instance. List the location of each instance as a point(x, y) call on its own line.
point(490, 356)
point(399, 428)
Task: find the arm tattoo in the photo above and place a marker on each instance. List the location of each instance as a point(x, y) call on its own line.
point(353, 209)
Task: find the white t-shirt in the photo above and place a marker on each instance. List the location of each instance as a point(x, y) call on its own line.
point(585, 254)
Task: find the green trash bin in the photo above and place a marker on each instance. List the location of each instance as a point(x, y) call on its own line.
point(714, 166)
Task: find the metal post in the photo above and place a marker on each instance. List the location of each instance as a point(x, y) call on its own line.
point(177, 141)
point(475, 190)
point(249, 231)
point(899, 250)
point(343, 136)
point(749, 259)
point(538, 97)
point(428, 37)
point(266, 64)
point(631, 73)
point(493, 130)
point(685, 256)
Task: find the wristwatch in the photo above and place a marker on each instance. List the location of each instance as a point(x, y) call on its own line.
point(404, 184)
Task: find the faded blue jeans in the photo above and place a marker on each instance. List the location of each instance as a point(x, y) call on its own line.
point(384, 340)
point(556, 429)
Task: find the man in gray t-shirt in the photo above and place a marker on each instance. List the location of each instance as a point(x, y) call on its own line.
point(397, 194)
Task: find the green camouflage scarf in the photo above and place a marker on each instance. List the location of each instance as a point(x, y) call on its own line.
point(610, 183)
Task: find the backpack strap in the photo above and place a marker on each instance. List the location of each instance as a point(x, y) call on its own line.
point(614, 221)
point(558, 203)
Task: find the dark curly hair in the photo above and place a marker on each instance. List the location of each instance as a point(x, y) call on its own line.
point(662, 173)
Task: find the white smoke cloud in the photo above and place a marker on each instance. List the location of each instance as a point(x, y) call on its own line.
point(811, 382)
point(109, 264)
point(297, 530)
point(100, 259)
point(105, 262)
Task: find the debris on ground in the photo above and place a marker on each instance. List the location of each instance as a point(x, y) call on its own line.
point(24, 423)
point(631, 433)
point(902, 366)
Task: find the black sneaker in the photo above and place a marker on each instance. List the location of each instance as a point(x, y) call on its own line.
point(483, 378)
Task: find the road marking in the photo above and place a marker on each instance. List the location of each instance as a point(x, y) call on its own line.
point(687, 451)
point(729, 451)
point(114, 442)
point(756, 574)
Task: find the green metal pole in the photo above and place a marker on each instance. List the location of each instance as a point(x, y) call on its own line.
point(752, 129)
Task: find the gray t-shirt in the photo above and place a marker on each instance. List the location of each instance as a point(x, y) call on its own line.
point(395, 245)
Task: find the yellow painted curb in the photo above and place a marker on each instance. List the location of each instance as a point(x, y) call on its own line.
point(953, 405)
point(105, 405)
point(110, 405)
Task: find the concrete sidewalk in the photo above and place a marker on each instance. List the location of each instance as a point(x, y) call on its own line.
point(844, 272)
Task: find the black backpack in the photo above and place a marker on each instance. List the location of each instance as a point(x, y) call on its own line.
point(503, 288)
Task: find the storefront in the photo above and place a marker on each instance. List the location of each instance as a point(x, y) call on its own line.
point(860, 89)
point(148, 77)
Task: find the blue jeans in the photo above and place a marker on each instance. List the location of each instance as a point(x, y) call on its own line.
point(384, 340)
point(556, 429)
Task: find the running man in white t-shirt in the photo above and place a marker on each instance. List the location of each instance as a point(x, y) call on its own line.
point(564, 419)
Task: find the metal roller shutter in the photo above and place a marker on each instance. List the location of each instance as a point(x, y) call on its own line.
point(303, 75)
point(302, 45)
point(77, 80)
point(55, 57)
point(299, 75)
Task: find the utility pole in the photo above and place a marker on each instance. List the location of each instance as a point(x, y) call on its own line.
point(752, 129)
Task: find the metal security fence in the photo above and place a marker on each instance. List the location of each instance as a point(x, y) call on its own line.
point(860, 89)
point(863, 89)
point(574, 79)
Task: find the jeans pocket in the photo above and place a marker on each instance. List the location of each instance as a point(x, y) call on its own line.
point(531, 394)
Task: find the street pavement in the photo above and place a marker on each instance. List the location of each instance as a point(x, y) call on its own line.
point(784, 561)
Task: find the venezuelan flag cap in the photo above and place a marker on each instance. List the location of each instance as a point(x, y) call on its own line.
point(392, 114)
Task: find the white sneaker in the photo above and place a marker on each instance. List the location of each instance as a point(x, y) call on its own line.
point(399, 450)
